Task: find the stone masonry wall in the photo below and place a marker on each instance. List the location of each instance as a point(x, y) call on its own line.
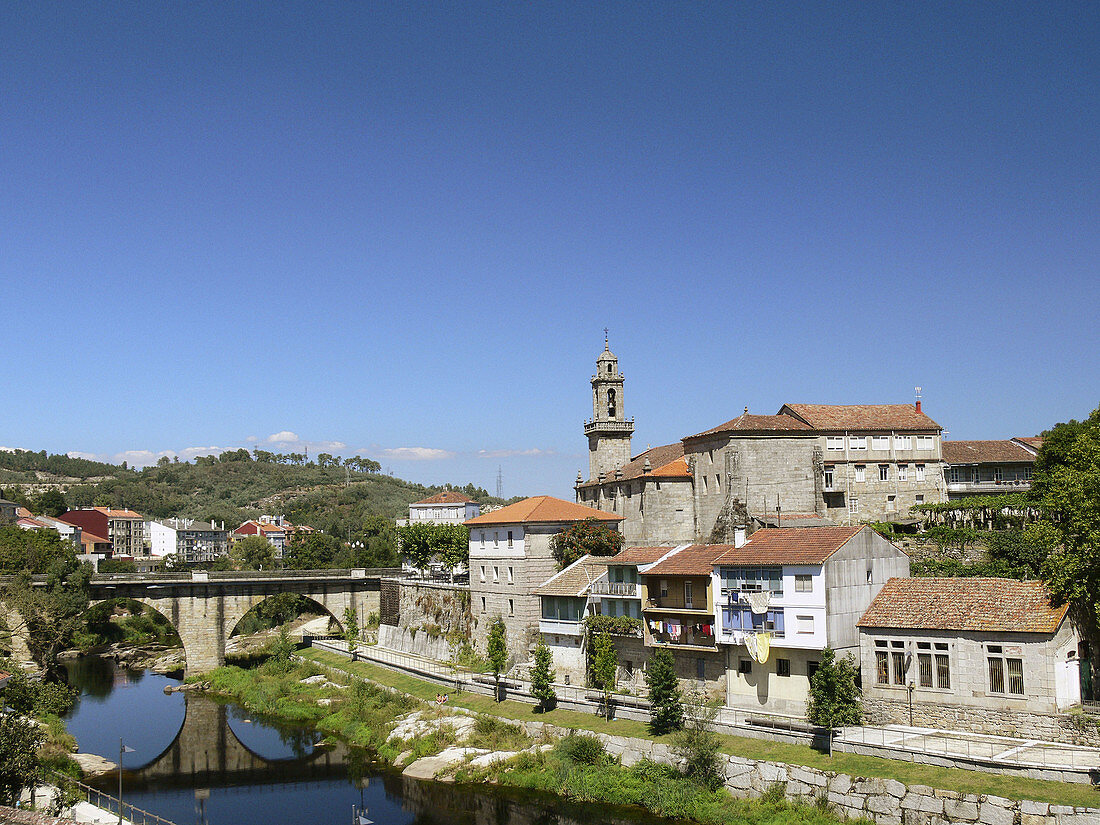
point(1050, 727)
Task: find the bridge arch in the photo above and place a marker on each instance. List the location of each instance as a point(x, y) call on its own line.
point(311, 605)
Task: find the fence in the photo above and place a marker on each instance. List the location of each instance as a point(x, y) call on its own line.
point(111, 804)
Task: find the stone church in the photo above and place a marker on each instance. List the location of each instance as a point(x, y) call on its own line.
point(807, 465)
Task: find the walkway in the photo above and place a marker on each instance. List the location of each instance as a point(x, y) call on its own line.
point(996, 754)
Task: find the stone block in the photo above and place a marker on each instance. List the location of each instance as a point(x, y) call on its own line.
point(1084, 816)
point(797, 790)
point(1034, 819)
point(1027, 806)
point(845, 800)
point(934, 805)
point(992, 814)
point(1061, 810)
point(869, 787)
point(771, 773)
point(884, 804)
point(999, 800)
point(895, 788)
point(942, 794)
point(841, 783)
point(806, 776)
point(956, 810)
point(739, 782)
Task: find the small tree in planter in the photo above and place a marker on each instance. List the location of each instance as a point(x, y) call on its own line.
point(666, 701)
point(497, 651)
point(542, 678)
point(605, 668)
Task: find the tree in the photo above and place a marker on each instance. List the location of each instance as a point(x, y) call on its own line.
point(50, 614)
point(253, 553)
point(32, 551)
point(591, 537)
point(834, 693)
point(423, 542)
point(1067, 486)
point(310, 551)
point(604, 670)
point(698, 745)
point(20, 740)
point(542, 678)
point(51, 503)
point(666, 702)
point(497, 651)
point(351, 625)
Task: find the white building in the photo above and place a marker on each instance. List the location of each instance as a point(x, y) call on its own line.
point(447, 507)
point(189, 540)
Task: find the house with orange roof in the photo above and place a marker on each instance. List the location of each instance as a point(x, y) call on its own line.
point(510, 556)
point(447, 507)
point(276, 529)
point(828, 463)
point(124, 528)
point(982, 468)
point(989, 655)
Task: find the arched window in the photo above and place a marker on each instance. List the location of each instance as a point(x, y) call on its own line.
point(611, 403)
point(609, 370)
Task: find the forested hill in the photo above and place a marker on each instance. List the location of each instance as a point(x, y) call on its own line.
point(329, 493)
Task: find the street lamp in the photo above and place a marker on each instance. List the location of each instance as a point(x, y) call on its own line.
point(910, 687)
point(122, 749)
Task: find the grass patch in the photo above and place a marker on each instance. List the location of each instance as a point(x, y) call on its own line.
point(495, 734)
point(951, 779)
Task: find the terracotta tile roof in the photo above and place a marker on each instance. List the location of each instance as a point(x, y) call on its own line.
point(32, 523)
point(695, 560)
point(91, 538)
point(542, 510)
point(789, 545)
point(758, 424)
point(446, 497)
point(23, 512)
point(112, 513)
point(639, 555)
point(964, 604)
point(575, 579)
point(1035, 441)
point(829, 417)
point(665, 461)
point(981, 452)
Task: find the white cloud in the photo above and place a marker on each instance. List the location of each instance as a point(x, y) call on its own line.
point(283, 437)
point(415, 454)
point(533, 451)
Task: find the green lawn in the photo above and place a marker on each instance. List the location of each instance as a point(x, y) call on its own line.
point(952, 779)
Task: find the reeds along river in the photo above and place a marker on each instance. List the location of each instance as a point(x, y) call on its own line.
point(197, 760)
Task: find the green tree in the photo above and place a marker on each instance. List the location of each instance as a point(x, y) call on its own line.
point(20, 739)
point(834, 693)
point(351, 625)
point(604, 669)
point(591, 537)
point(310, 551)
point(253, 553)
point(423, 542)
point(51, 503)
point(542, 678)
point(32, 551)
point(666, 701)
point(497, 650)
point(52, 613)
point(1067, 486)
point(698, 745)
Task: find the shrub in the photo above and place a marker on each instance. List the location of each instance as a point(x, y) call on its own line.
point(581, 748)
point(667, 709)
point(542, 678)
point(698, 745)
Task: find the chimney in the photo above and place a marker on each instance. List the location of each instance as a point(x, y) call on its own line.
point(918, 398)
point(739, 536)
point(647, 467)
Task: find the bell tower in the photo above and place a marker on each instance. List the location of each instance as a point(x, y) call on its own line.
point(609, 431)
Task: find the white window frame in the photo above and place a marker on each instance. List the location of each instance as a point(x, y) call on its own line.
point(883, 472)
point(857, 442)
point(861, 473)
point(903, 442)
point(829, 478)
point(834, 442)
point(803, 583)
point(918, 470)
point(880, 442)
point(903, 473)
point(926, 443)
point(804, 624)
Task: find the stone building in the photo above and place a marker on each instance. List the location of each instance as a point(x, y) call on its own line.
point(982, 468)
point(510, 556)
point(567, 600)
point(984, 654)
point(818, 464)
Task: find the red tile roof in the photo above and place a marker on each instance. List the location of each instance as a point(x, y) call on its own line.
point(666, 461)
point(639, 555)
point(982, 452)
point(789, 545)
point(112, 513)
point(1035, 441)
point(542, 510)
point(696, 560)
point(446, 497)
point(969, 604)
point(831, 417)
point(91, 538)
point(758, 424)
point(575, 579)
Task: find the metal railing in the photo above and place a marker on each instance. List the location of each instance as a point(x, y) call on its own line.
point(606, 588)
point(106, 802)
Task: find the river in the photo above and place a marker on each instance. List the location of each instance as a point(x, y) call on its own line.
point(199, 760)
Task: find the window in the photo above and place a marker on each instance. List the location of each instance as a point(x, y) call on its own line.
point(509, 538)
point(891, 503)
point(828, 479)
point(482, 604)
point(870, 575)
point(897, 659)
point(882, 663)
point(664, 588)
point(853, 505)
point(811, 669)
point(924, 664)
point(924, 442)
point(1027, 473)
point(496, 539)
point(611, 403)
point(687, 595)
point(998, 475)
point(903, 442)
point(920, 498)
point(511, 576)
point(903, 472)
point(738, 617)
point(752, 579)
point(943, 666)
point(701, 669)
point(804, 624)
point(834, 442)
point(883, 472)
point(857, 442)
point(717, 481)
point(803, 583)
point(744, 666)
point(483, 572)
point(1001, 666)
point(954, 475)
point(483, 540)
point(496, 574)
point(880, 442)
point(919, 468)
point(511, 607)
point(782, 667)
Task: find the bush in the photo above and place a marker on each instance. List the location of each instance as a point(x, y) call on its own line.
point(667, 709)
point(497, 735)
point(698, 745)
point(581, 748)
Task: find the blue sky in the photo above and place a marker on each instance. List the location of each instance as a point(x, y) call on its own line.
point(400, 229)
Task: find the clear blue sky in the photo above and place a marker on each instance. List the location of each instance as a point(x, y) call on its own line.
point(402, 228)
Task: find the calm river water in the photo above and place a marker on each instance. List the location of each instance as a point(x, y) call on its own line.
point(198, 760)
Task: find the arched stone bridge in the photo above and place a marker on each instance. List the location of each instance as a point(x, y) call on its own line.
point(205, 606)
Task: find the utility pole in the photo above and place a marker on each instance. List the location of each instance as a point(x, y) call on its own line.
point(500, 481)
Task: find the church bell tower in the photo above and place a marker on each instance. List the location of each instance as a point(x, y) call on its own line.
point(609, 431)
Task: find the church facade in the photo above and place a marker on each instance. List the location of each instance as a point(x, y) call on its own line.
point(807, 465)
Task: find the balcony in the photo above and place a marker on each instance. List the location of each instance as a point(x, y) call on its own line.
point(608, 426)
point(606, 588)
point(560, 627)
point(687, 639)
point(664, 606)
point(1018, 485)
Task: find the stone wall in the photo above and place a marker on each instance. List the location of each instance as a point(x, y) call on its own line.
point(1074, 729)
point(427, 613)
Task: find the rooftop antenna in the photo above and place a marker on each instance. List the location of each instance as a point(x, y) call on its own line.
point(500, 482)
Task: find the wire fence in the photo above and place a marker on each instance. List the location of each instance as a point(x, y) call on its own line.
point(106, 802)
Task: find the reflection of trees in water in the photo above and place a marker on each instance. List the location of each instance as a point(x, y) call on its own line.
point(93, 675)
point(299, 740)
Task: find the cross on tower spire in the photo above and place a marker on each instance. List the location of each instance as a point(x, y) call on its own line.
point(606, 343)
